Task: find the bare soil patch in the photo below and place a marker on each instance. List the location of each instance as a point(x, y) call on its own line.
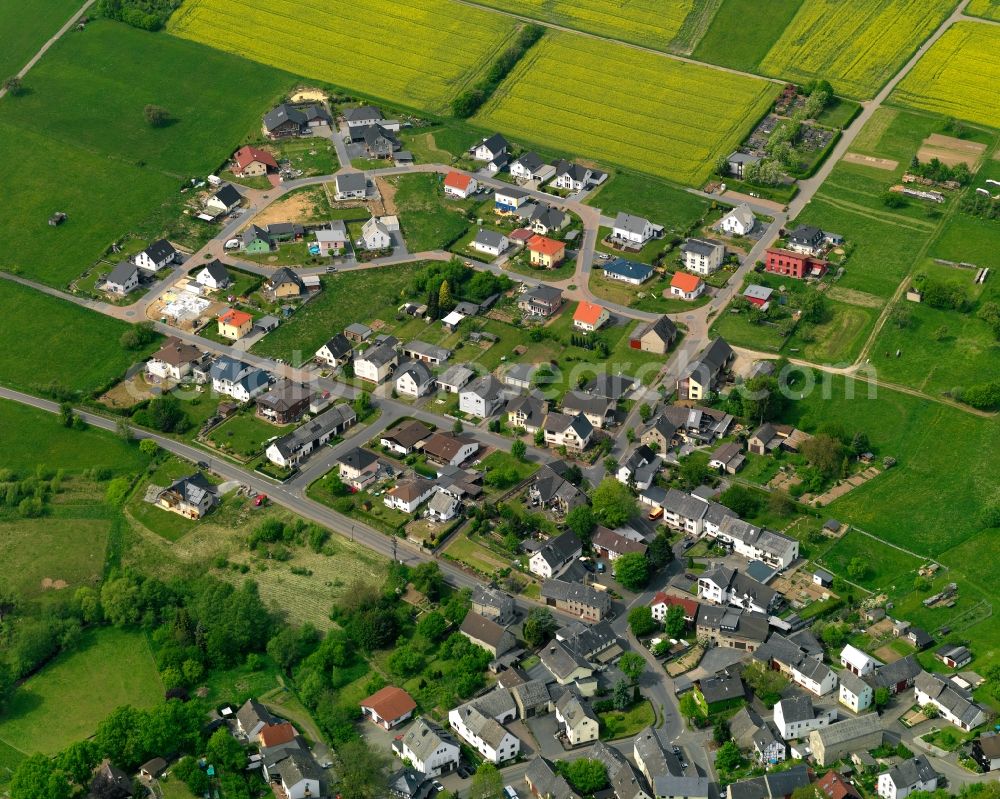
point(740, 197)
point(298, 207)
point(56, 585)
point(949, 150)
point(128, 393)
point(870, 160)
point(388, 192)
point(307, 95)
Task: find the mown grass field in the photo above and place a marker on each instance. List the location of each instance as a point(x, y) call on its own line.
point(958, 76)
point(988, 9)
point(739, 35)
point(428, 220)
point(27, 26)
point(59, 343)
point(886, 565)
point(422, 55)
point(670, 119)
point(857, 45)
point(660, 202)
point(65, 701)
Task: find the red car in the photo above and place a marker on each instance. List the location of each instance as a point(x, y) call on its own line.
point(259, 500)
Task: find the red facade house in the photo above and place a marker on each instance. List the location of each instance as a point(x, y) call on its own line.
point(793, 264)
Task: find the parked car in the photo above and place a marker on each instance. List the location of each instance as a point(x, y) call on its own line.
point(232, 244)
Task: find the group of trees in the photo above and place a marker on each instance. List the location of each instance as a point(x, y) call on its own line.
point(613, 503)
point(469, 101)
point(444, 283)
point(940, 172)
point(148, 15)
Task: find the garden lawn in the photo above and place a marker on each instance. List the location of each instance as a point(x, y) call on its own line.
point(64, 702)
point(672, 119)
point(616, 724)
point(27, 26)
point(498, 459)
point(839, 339)
point(59, 343)
point(347, 297)
point(245, 434)
point(886, 566)
point(659, 202)
point(428, 220)
point(740, 36)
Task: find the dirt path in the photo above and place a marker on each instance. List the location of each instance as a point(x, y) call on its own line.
point(870, 160)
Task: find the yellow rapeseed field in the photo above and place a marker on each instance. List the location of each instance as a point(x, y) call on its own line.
point(857, 45)
point(417, 52)
point(618, 105)
point(652, 23)
point(990, 9)
point(959, 76)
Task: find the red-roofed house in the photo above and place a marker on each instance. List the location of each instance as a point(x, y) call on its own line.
point(836, 787)
point(589, 316)
point(663, 602)
point(611, 545)
point(388, 707)
point(235, 324)
point(250, 162)
point(458, 185)
point(276, 734)
point(686, 286)
point(546, 252)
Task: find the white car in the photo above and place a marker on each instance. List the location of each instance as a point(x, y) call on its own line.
point(232, 244)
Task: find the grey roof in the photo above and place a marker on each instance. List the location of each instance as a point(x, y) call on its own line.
point(489, 238)
point(561, 590)
point(488, 631)
point(797, 708)
point(255, 233)
point(712, 358)
point(424, 737)
point(587, 640)
point(531, 693)
point(378, 355)
point(331, 419)
point(358, 458)
point(771, 786)
point(492, 597)
point(744, 725)
point(948, 695)
point(226, 368)
point(700, 246)
point(908, 773)
point(587, 403)
point(363, 113)
point(574, 708)
point(228, 195)
point(663, 327)
point(656, 759)
point(848, 730)
point(670, 785)
point(531, 161)
point(574, 170)
point(339, 346)
point(561, 422)
point(160, 250)
point(722, 687)
point(443, 504)
point(194, 488)
point(732, 621)
point(299, 766)
point(348, 182)
point(547, 215)
point(684, 505)
point(481, 725)
point(217, 270)
point(252, 714)
point(487, 387)
point(738, 583)
point(631, 223)
point(806, 234)
point(560, 549)
point(543, 293)
point(546, 782)
point(852, 682)
point(122, 273)
point(408, 783)
point(614, 387)
point(531, 406)
point(457, 375)
point(358, 329)
point(287, 113)
point(743, 158)
point(284, 395)
point(495, 143)
point(559, 660)
point(421, 374)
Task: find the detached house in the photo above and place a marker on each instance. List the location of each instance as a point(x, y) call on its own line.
point(800, 664)
point(214, 275)
point(250, 162)
point(654, 336)
point(156, 256)
point(408, 495)
point(405, 437)
point(580, 722)
point(530, 166)
point(430, 748)
point(796, 717)
point(738, 222)
point(234, 324)
point(379, 142)
point(480, 722)
point(225, 200)
point(705, 373)
point(122, 279)
point(494, 604)
point(336, 352)
point(575, 177)
point(350, 186)
point(526, 412)
point(363, 116)
point(174, 360)
point(459, 185)
point(481, 398)
point(376, 363)
point(635, 274)
point(581, 600)
point(725, 586)
point(611, 545)
point(332, 239)
point(600, 411)
point(375, 235)
point(590, 317)
point(686, 286)
point(555, 555)
point(414, 379)
point(191, 497)
point(806, 239)
point(912, 774)
point(358, 467)
point(508, 200)
point(563, 430)
point(237, 379)
point(492, 637)
point(285, 402)
point(702, 256)
point(490, 242)
point(449, 449)
point(792, 264)
point(855, 693)
point(491, 148)
point(542, 301)
point(839, 740)
point(633, 232)
point(546, 253)
point(291, 449)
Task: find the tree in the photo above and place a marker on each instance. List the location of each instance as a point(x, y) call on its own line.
point(857, 569)
point(930, 711)
point(720, 731)
point(444, 297)
point(432, 626)
point(761, 399)
point(632, 570)
point(362, 404)
point(539, 627)
point(363, 771)
point(728, 758)
point(13, 86)
point(519, 449)
point(156, 116)
point(641, 621)
point(694, 469)
point(621, 695)
point(138, 336)
point(893, 199)
point(660, 551)
point(824, 452)
point(813, 307)
point(989, 312)
point(645, 412)
point(149, 448)
point(581, 521)
point(632, 665)
point(881, 698)
point(225, 752)
point(940, 333)
point(834, 635)
point(613, 503)
point(123, 430)
point(586, 775)
point(433, 311)
point(487, 782)
point(741, 500)
point(120, 600)
point(766, 684)
point(38, 777)
point(457, 427)
point(675, 623)
point(690, 708)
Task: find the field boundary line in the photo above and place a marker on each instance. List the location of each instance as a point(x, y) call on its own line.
point(917, 555)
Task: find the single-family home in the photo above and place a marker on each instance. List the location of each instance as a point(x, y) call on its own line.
point(611, 545)
point(429, 748)
point(297, 772)
point(580, 722)
point(404, 438)
point(954, 704)
point(806, 239)
point(492, 603)
point(686, 286)
point(530, 166)
point(376, 363)
point(655, 336)
point(555, 555)
point(654, 755)
point(750, 731)
point(480, 723)
point(225, 199)
point(728, 458)
point(633, 232)
point(856, 661)
point(249, 162)
point(738, 222)
point(544, 782)
point(545, 252)
point(459, 185)
point(590, 317)
point(358, 467)
point(350, 186)
point(726, 626)
point(625, 271)
point(214, 275)
point(494, 638)
point(737, 163)
point(442, 507)
point(639, 468)
point(289, 120)
point(835, 786)
point(285, 402)
point(541, 301)
point(332, 239)
point(855, 693)
point(913, 774)
point(796, 717)
point(291, 449)
point(380, 142)
point(661, 603)
point(284, 283)
point(546, 219)
point(156, 256)
point(122, 279)
point(599, 410)
point(237, 379)
point(413, 379)
point(508, 200)
point(174, 360)
point(552, 490)
point(778, 261)
point(453, 379)
point(256, 240)
point(564, 430)
point(581, 600)
point(526, 412)
point(388, 707)
point(449, 449)
point(408, 495)
point(490, 242)
point(571, 176)
point(359, 118)
point(375, 235)
point(838, 740)
point(986, 751)
point(758, 296)
point(481, 398)
point(235, 324)
point(491, 148)
point(702, 256)
point(191, 497)
point(335, 352)
point(251, 718)
point(705, 373)
point(798, 663)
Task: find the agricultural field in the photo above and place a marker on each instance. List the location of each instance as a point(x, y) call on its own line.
point(739, 36)
point(65, 701)
point(644, 22)
point(27, 26)
point(988, 9)
point(673, 119)
point(61, 343)
point(857, 45)
point(958, 76)
point(432, 50)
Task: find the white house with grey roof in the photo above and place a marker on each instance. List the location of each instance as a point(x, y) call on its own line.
point(801, 665)
point(738, 222)
point(580, 722)
point(156, 256)
point(913, 774)
point(954, 704)
point(430, 748)
point(480, 723)
point(376, 363)
point(482, 398)
point(531, 166)
point(291, 449)
point(703, 256)
point(555, 555)
point(633, 231)
point(854, 692)
point(375, 235)
point(573, 431)
point(796, 717)
point(490, 242)
point(491, 148)
point(413, 379)
point(122, 279)
point(350, 186)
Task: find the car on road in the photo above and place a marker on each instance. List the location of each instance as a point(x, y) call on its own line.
point(438, 786)
point(202, 464)
point(331, 269)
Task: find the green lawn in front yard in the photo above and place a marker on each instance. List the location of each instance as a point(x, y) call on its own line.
point(250, 182)
point(521, 264)
point(289, 253)
point(652, 298)
point(428, 220)
point(646, 255)
point(618, 724)
point(498, 459)
point(313, 155)
point(245, 434)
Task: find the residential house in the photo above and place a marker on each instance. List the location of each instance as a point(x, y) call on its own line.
point(703, 256)
point(855, 693)
point(791, 264)
point(584, 601)
point(571, 176)
point(751, 732)
point(289, 120)
point(408, 783)
point(298, 773)
point(429, 748)
point(802, 666)
point(686, 286)
point(986, 751)
point(251, 718)
point(455, 378)
point(622, 776)
point(237, 379)
point(285, 402)
point(214, 275)
point(450, 449)
point(291, 449)
point(838, 740)
point(913, 774)
point(564, 430)
point(726, 626)
point(379, 142)
point(408, 495)
point(123, 279)
point(336, 352)
point(480, 721)
point(375, 235)
point(284, 283)
point(545, 783)
point(654, 756)
point(359, 118)
point(490, 242)
point(332, 239)
point(545, 252)
point(613, 386)
point(481, 398)
point(920, 638)
point(405, 437)
point(592, 642)
point(954, 704)
point(897, 676)
point(555, 555)
point(590, 317)
point(705, 373)
point(191, 497)
point(541, 301)
point(600, 411)
point(567, 667)
point(493, 604)
point(442, 507)
point(721, 690)
point(660, 434)
point(857, 662)
point(639, 468)
point(156, 256)
point(350, 186)
point(225, 200)
point(834, 786)
point(655, 336)
point(250, 162)
point(110, 782)
point(458, 185)
point(776, 785)
point(235, 324)
point(671, 787)
point(508, 199)
point(580, 722)
point(546, 219)
point(796, 717)
point(526, 412)
point(413, 379)
point(661, 603)
point(376, 363)
point(285, 231)
point(491, 148)
point(358, 467)
point(728, 458)
point(611, 545)
point(725, 586)
point(633, 232)
point(806, 239)
point(630, 272)
point(758, 296)
point(738, 162)
point(494, 638)
point(174, 360)
point(256, 241)
point(738, 222)
point(552, 490)
point(388, 707)
point(530, 166)
point(769, 437)
point(953, 656)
